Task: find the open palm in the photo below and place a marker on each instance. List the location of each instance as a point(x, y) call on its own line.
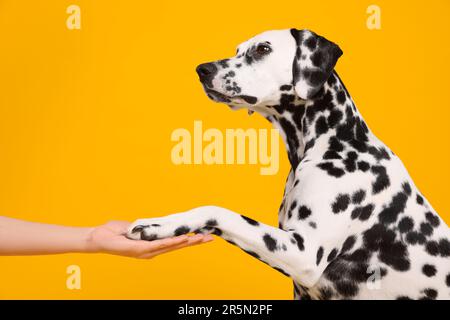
point(110, 238)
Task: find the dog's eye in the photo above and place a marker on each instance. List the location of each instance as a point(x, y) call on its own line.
point(263, 49)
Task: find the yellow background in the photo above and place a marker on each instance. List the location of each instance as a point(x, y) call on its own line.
point(86, 117)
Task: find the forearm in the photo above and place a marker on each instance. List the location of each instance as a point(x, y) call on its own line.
point(283, 250)
point(19, 237)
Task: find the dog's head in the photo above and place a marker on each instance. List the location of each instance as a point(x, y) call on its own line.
point(269, 64)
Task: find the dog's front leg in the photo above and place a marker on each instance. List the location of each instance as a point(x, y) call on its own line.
point(285, 251)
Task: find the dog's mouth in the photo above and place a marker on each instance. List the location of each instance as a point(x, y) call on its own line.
point(217, 96)
point(238, 99)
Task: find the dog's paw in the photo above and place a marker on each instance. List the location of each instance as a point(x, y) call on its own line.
point(153, 229)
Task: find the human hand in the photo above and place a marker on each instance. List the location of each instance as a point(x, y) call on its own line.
point(110, 238)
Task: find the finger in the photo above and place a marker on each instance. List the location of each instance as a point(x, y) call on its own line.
point(208, 238)
point(142, 246)
point(170, 241)
point(162, 243)
point(194, 240)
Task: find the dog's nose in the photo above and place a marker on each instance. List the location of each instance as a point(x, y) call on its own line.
point(206, 71)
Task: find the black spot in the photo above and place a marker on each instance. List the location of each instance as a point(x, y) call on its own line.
point(326, 293)
point(363, 166)
point(317, 58)
point(340, 96)
point(430, 293)
point(447, 280)
point(331, 169)
point(303, 212)
point(345, 131)
point(285, 87)
point(426, 229)
point(356, 212)
point(432, 219)
point(414, 237)
point(358, 196)
point(406, 188)
point(330, 155)
point(382, 179)
point(391, 252)
point(292, 141)
point(390, 213)
point(348, 244)
point(377, 234)
point(299, 240)
point(379, 153)
point(341, 203)
point(350, 162)
point(211, 223)
point(335, 145)
point(248, 99)
point(309, 144)
point(361, 133)
point(291, 208)
point(429, 270)
point(359, 255)
point(223, 63)
point(403, 298)
point(319, 255)
point(444, 247)
point(332, 255)
point(311, 43)
point(334, 118)
point(148, 237)
point(432, 248)
point(248, 59)
point(250, 221)
point(321, 126)
point(270, 242)
point(331, 80)
point(406, 224)
point(366, 212)
point(181, 230)
point(313, 225)
point(419, 199)
point(359, 145)
point(395, 255)
point(346, 288)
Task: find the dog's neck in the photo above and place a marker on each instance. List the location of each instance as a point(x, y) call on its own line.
point(331, 113)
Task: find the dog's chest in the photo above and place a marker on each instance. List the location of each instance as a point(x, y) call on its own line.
point(384, 252)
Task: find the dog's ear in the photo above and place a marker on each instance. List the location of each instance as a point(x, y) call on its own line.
point(314, 62)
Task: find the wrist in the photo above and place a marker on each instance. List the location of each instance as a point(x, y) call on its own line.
point(88, 243)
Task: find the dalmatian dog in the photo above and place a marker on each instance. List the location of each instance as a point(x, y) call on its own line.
point(352, 224)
